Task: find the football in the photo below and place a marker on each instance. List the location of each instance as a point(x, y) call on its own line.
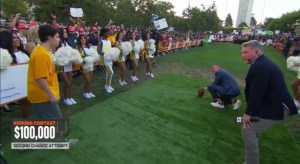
point(201, 92)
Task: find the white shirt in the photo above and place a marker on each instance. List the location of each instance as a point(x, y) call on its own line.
point(23, 40)
point(21, 57)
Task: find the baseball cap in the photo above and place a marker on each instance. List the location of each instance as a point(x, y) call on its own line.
point(71, 29)
point(22, 26)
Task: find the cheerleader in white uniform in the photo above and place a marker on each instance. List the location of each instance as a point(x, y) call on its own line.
point(83, 48)
point(134, 56)
point(106, 63)
point(147, 54)
point(66, 71)
point(121, 60)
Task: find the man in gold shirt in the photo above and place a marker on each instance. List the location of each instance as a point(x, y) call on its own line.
point(42, 84)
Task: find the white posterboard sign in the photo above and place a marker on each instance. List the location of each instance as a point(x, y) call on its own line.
point(76, 12)
point(13, 83)
point(160, 24)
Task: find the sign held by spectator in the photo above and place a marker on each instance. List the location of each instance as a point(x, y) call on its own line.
point(13, 87)
point(76, 12)
point(160, 24)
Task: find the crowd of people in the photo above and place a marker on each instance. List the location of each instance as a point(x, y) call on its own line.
point(20, 37)
point(35, 43)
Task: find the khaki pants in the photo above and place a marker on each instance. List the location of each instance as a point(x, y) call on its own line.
point(250, 137)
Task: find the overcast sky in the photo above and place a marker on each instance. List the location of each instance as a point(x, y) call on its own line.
point(273, 8)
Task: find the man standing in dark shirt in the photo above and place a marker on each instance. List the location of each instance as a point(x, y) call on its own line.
point(71, 38)
point(93, 38)
point(267, 96)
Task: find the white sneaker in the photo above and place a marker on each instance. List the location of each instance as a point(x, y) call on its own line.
point(297, 103)
point(151, 75)
point(87, 95)
point(148, 74)
point(111, 88)
point(121, 83)
point(217, 105)
point(73, 101)
point(107, 89)
point(68, 102)
point(237, 105)
point(91, 94)
point(133, 78)
point(124, 82)
point(136, 79)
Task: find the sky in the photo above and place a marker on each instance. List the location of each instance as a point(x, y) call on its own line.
point(273, 8)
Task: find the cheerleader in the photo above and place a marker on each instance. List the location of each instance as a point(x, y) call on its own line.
point(66, 71)
point(105, 63)
point(83, 48)
point(146, 54)
point(293, 63)
point(121, 60)
point(134, 55)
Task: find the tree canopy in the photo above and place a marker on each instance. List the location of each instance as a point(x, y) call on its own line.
point(136, 13)
point(253, 21)
point(14, 6)
point(287, 22)
point(243, 24)
point(228, 21)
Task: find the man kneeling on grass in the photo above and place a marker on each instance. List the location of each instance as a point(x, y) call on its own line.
point(224, 89)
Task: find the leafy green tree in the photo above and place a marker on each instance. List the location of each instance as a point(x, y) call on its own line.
point(287, 22)
point(14, 7)
point(253, 21)
point(228, 21)
point(205, 19)
point(243, 24)
point(136, 13)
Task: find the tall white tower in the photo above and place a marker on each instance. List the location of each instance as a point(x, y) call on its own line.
point(244, 12)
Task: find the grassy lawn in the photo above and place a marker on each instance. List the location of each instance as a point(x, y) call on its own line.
point(162, 120)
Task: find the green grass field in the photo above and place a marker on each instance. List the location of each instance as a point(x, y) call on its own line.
point(162, 121)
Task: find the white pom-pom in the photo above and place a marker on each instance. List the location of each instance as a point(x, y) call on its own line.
point(293, 63)
point(6, 59)
point(141, 43)
point(152, 49)
point(136, 47)
point(126, 48)
point(76, 57)
point(93, 53)
point(112, 54)
point(88, 63)
point(152, 42)
point(63, 56)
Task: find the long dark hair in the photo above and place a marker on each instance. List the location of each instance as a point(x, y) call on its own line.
point(21, 47)
point(79, 41)
point(79, 47)
point(6, 38)
point(6, 42)
point(61, 37)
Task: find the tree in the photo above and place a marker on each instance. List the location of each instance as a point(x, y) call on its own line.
point(253, 21)
point(205, 19)
point(287, 22)
point(228, 21)
point(134, 13)
point(243, 24)
point(14, 6)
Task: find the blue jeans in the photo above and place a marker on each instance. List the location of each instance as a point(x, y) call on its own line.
point(47, 110)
